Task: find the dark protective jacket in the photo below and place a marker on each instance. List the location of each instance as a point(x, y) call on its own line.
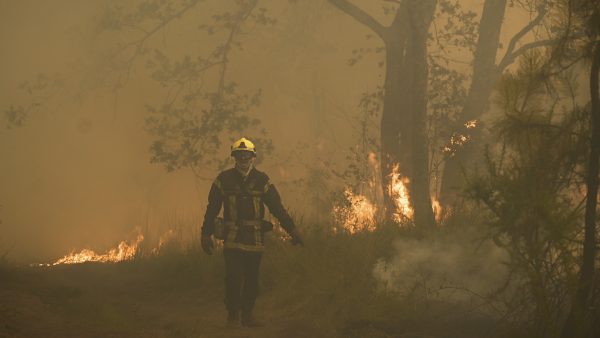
point(244, 202)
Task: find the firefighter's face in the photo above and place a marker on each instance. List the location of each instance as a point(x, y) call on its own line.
point(243, 159)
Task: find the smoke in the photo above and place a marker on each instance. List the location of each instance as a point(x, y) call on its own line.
point(77, 174)
point(442, 268)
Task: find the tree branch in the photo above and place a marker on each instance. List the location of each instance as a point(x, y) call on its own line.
point(243, 15)
point(164, 23)
point(360, 16)
point(510, 58)
point(139, 43)
point(511, 55)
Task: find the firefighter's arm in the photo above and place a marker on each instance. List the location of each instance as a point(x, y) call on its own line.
point(215, 202)
point(273, 202)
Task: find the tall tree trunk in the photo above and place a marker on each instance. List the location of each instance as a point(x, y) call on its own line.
point(415, 103)
point(395, 44)
point(578, 320)
point(485, 75)
point(403, 129)
point(393, 38)
point(403, 132)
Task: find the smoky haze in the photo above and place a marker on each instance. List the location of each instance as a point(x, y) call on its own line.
point(78, 173)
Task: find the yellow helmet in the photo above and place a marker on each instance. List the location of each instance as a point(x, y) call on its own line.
point(243, 144)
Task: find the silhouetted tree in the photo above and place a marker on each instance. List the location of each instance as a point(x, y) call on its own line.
point(403, 120)
point(530, 189)
point(486, 73)
point(580, 318)
point(403, 130)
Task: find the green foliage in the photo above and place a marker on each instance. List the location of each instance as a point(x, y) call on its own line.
point(454, 30)
point(447, 94)
point(202, 106)
point(190, 136)
point(533, 190)
point(15, 116)
point(359, 170)
point(39, 90)
point(448, 79)
point(116, 18)
point(460, 27)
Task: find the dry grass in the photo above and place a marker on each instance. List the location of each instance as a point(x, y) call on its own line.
point(325, 289)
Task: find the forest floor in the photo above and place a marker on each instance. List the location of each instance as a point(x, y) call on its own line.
point(326, 289)
point(132, 299)
point(107, 300)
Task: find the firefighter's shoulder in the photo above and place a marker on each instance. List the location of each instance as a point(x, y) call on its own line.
point(261, 175)
point(224, 176)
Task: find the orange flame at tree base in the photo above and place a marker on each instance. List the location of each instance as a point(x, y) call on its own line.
point(398, 190)
point(360, 213)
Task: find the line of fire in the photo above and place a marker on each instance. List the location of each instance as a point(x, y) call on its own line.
point(358, 213)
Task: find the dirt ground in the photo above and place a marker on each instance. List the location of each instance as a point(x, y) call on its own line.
point(110, 300)
point(310, 292)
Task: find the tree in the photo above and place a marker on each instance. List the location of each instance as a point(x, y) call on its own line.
point(403, 116)
point(203, 104)
point(483, 78)
point(486, 73)
point(579, 320)
point(530, 190)
point(542, 184)
point(190, 124)
point(403, 132)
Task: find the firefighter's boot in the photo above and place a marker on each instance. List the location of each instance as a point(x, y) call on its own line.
point(249, 320)
point(233, 319)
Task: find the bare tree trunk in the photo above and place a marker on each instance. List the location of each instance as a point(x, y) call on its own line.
point(416, 72)
point(485, 75)
point(579, 321)
point(403, 138)
point(395, 44)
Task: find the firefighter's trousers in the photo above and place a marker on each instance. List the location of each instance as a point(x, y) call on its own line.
point(241, 280)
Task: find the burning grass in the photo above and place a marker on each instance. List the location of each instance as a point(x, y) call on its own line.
point(326, 289)
point(359, 215)
point(124, 251)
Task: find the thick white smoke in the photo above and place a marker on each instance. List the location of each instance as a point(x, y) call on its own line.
point(443, 269)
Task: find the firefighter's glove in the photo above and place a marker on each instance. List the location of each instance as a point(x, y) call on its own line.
point(296, 239)
point(207, 244)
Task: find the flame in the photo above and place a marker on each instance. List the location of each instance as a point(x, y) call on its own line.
point(398, 190)
point(361, 213)
point(373, 162)
point(359, 216)
point(124, 251)
point(164, 239)
point(458, 140)
point(471, 124)
point(437, 209)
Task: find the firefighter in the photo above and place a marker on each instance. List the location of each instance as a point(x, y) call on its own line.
point(243, 191)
